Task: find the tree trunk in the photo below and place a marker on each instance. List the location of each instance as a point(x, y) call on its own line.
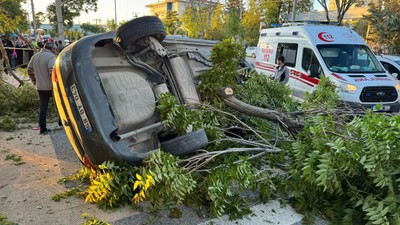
point(286, 121)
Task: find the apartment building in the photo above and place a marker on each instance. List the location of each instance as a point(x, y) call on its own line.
point(162, 7)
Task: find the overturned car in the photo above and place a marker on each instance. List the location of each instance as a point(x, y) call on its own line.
point(106, 85)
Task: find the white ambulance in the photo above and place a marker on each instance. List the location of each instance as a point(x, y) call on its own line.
point(313, 51)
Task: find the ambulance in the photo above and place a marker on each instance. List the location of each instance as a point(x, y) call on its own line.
point(313, 51)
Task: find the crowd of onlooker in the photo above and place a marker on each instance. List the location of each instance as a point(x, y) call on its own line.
point(19, 51)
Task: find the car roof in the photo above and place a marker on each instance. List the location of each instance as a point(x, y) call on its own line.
point(395, 58)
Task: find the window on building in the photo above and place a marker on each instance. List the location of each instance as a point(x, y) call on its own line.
point(170, 6)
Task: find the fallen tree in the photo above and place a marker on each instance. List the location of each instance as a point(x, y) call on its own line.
point(341, 163)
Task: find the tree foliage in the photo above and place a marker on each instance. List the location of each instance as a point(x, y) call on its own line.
point(348, 171)
point(70, 10)
point(171, 22)
point(342, 6)
point(88, 28)
point(233, 25)
point(276, 11)
point(251, 23)
point(197, 19)
point(385, 24)
point(345, 167)
point(12, 17)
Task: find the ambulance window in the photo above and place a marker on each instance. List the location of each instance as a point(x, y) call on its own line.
point(289, 51)
point(309, 59)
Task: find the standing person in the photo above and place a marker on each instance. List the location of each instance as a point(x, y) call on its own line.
point(39, 71)
point(281, 71)
point(60, 46)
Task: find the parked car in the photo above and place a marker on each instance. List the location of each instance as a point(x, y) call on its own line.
point(394, 58)
point(46, 37)
point(105, 87)
point(391, 66)
point(251, 51)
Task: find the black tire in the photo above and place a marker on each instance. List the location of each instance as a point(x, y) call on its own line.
point(130, 32)
point(186, 143)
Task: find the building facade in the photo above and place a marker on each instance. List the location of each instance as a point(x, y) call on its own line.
point(161, 8)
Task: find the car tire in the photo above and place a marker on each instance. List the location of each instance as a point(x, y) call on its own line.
point(186, 143)
point(130, 32)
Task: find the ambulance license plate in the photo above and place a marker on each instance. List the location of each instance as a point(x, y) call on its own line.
point(380, 108)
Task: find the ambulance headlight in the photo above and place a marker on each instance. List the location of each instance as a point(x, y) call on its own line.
point(345, 87)
point(350, 88)
point(397, 86)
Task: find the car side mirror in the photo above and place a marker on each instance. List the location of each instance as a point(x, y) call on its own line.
point(396, 75)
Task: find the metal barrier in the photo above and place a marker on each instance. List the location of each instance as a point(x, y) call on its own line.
point(23, 56)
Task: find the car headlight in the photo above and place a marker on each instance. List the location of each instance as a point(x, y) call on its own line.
point(345, 87)
point(397, 86)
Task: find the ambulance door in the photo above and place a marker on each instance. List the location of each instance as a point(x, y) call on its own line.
point(308, 73)
point(289, 51)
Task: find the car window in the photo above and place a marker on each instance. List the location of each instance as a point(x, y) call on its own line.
point(390, 68)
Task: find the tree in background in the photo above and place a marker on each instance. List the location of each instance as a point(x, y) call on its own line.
point(197, 18)
point(110, 24)
point(12, 17)
point(342, 7)
point(384, 20)
point(233, 25)
point(171, 22)
point(251, 23)
point(89, 29)
point(216, 29)
point(70, 10)
point(271, 11)
point(40, 18)
point(73, 35)
point(275, 11)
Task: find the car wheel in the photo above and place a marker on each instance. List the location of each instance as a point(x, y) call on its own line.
point(130, 32)
point(253, 55)
point(186, 143)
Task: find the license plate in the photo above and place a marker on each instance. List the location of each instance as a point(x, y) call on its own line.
point(381, 108)
point(81, 110)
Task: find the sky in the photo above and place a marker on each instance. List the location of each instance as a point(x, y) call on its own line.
point(126, 9)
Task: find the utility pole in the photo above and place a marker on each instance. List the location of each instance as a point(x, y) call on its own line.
point(115, 10)
point(60, 24)
point(34, 20)
point(241, 10)
point(294, 11)
point(96, 21)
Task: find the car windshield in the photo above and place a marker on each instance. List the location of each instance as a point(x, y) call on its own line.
point(349, 58)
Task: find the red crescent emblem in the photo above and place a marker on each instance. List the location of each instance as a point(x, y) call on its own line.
point(325, 36)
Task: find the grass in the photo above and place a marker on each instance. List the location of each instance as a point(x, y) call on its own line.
point(17, 160)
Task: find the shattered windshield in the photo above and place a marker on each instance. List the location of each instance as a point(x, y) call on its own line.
point(349, 58)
